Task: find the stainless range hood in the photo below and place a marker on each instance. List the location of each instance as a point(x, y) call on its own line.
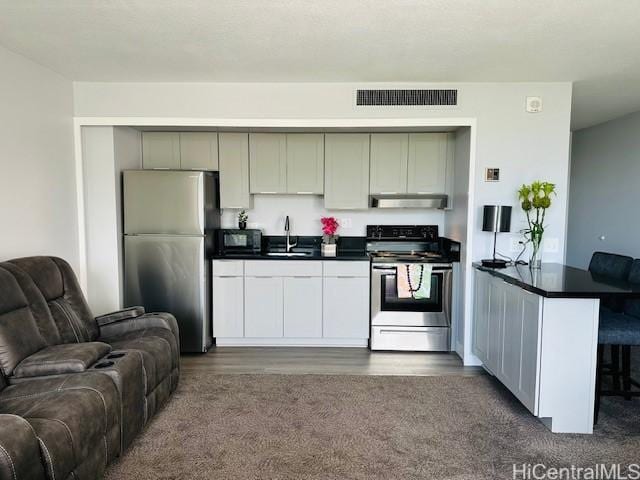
point(409, 201)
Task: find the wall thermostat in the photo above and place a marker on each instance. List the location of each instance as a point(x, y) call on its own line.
point(534, 104)
point(492, 175)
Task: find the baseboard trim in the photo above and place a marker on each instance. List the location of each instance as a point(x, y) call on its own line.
point(291, 342)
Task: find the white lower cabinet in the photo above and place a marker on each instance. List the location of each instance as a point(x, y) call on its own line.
point(290, 302)
point(228, 306)
point(346, 307)
point(303, 307)
point(507, 326)
point(263, 307)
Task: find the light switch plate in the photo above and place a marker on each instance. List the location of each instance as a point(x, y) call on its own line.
point(534, 104)
point(551, 245)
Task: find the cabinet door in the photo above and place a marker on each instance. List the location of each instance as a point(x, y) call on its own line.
point(199, 151)
point(509, 370)
point(530, 353)
point(305, 163)
point(228, 307)
point(268, 163)
point(495, 321)
point(234, 170)
point(481, 315)
point(389, 154)
point(346, 163)
point(263, 312)
point(161, 150)
point(427, 163)
point(345, 307)
point(303, 307)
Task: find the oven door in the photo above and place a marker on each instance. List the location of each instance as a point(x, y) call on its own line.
point(388, 309)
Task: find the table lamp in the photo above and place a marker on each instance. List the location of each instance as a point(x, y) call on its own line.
point(496, 218)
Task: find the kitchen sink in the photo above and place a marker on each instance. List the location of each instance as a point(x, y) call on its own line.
point(289, 254)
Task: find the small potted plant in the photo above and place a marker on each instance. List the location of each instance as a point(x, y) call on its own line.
point(535, 199)
point(242, 219)
point(329, 237)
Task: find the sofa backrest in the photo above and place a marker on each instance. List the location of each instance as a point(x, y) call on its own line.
point(61, 291)
point(39, 308)
point(610, 265)
point(19, 334)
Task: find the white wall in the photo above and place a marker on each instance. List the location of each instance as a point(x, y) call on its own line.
point(269, 212)
point(37, 180)
point(604, 190)
point(525, 146)
point(105, 152)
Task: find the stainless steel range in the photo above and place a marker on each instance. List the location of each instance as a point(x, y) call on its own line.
point(405, 260)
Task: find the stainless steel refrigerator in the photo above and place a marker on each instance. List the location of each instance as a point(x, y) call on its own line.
point(169, 222)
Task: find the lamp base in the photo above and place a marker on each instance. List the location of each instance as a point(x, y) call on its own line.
point(494, 263)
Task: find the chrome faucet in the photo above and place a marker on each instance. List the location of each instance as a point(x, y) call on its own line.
point(289, 245)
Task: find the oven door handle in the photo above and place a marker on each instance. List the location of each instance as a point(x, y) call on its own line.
point(388, 269)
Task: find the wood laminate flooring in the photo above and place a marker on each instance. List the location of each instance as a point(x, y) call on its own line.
point(325, 361)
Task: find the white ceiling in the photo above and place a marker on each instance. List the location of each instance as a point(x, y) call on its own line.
point(595, 43)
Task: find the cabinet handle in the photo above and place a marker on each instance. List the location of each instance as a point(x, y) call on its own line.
point(388, 193)
point(160, 168)
point(268, 193)
point(304, 193)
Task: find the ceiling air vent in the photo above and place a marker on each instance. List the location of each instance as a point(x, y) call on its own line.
point(406, 97)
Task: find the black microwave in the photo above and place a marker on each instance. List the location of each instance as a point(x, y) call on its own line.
point(239, 242)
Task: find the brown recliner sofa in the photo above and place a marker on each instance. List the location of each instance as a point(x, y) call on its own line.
point(75, 390)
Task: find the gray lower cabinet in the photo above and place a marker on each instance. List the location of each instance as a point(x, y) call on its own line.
point(234, 170)
point(263, 307)
point(199, 151)
point(228, 306)
point(305, 163)
point(346, 307)
point(267, 163)
point(507, 329)
point(346, 164)
point(161, 150)
point(389, 156)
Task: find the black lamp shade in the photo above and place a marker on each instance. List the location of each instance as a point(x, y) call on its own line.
point(496, 218)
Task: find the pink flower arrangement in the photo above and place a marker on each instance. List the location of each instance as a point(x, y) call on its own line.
point(329, 225)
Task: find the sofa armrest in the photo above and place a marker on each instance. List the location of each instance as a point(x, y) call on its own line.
point(148, 320)
point(120, 315)
point(19, 449)
point(61, 359)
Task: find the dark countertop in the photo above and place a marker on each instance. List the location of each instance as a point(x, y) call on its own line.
point(555, 280)
point(344, 256)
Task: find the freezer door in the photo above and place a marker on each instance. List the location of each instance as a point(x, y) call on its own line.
point(169, 274)
point(163, 202)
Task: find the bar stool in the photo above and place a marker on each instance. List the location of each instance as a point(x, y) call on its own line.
point(620, 331)
point(615, 267)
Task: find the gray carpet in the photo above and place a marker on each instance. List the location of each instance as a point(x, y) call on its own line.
point(360, 427)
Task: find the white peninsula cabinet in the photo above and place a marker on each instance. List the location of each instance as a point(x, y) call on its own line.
point(542, 347)
point(291, 302)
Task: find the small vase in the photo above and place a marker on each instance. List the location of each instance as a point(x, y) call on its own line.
point(242, 225)
point(536, 250)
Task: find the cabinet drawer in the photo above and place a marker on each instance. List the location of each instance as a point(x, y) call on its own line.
point(337, 268)
point(283, 268)
point(227, 268)
point(410, 338)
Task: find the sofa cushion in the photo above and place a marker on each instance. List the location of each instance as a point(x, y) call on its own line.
point(59, 286)
point(19, 450)
point(74, 416)
point(61, 359)
point(632, 306)
point(19, 335)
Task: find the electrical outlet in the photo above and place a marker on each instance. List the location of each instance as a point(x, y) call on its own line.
point(551, 245)
point(345, 222)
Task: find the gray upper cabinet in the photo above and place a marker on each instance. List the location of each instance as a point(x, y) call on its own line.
point(346, 181)
point(389, 156)
point(428, 159)
point(305, 163)
point(161, 150)
point(268, 163)
point(199, 150)
point(234, 170)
